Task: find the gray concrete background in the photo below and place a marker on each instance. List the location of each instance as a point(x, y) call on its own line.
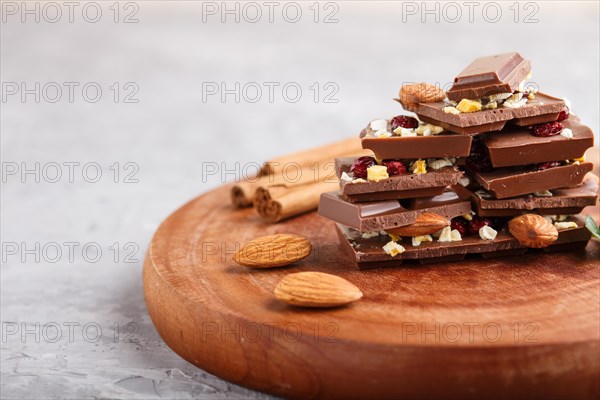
point(162, 140)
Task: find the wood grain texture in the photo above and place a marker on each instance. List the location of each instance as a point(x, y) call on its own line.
point(432, 331)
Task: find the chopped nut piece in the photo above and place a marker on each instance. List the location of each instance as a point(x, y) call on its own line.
point(451, 110)
point(566, 132)
point(419, 167)
point(545, 193)
point(450, 235)
point(500, 96)
point(359, 180)
point(468, 106)
point(417, 240)
point(376, 173)
point(393, 249)
point(492, 105)
point(561, 218)
point(440, 163)
point(580, 159)
point(345, 177)
point(464, 181)
point(565, 225)
point(487, 233)
point(404, 132)
point(515, 101)
point(382, 134)
point(469, 216)
point(531, 96)
point(369, 235)
point(379, 125)
point(429, 129)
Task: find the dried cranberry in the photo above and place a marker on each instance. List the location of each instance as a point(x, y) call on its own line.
point(478, 159)
point(564, 114)
point(360, 165)
point(405, 122)
point(547, 129)
point(546, 165)
point(460, 224)
point(394, 167)
point(477, 223)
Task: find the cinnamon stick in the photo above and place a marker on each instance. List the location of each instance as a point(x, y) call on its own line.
point(314, 164)
point(276, 203)
point(329, 152)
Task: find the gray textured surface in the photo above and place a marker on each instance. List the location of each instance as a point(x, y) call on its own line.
point(168, 54)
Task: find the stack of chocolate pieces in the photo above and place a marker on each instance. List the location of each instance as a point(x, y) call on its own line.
point(446, 182)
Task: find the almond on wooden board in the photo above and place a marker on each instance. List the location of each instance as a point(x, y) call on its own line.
point(273, 251)
point(425, 224)
point(532, 230)
point(316, 289)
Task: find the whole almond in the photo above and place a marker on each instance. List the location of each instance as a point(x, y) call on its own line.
point(425, 224)
point(532, 230)
point(273, 251)
point(316, 289)
point(413, 93)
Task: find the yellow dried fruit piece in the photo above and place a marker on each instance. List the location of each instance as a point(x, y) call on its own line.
point(468, 106)
point(377, 173)
point(419, 167)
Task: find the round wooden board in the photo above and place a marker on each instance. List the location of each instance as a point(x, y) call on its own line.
point(524, 326)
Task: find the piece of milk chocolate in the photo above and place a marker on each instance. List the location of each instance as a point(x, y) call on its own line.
point(434, 146)
point(367, 253)
point(382, 215)
point(562, 202)
point(543, 108)
point(501, 73)
point(517, 181)
point(401, 186)
point(517, 146)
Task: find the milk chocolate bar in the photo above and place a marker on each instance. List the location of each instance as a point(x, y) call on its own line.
point(517, 146)
point(489, 75)
point(543, 108)
point(435, 146)
point(368, 253)
point(563, 201)
point(517, 181)
point(401, 186)
point(382, 215)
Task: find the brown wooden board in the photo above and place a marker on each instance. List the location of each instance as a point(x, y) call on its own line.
point(522, 327)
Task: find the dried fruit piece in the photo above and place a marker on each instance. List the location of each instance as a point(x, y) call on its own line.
point(564, 114)
point(414, 93)
point(273, 251)
point(417, 240)
point(360, 166)
point(425, 224)
point(460, 224)
point(394, 167)
point(316, 289)
point(546, 165)
point(419, 167)
point(477, 223)
point(547, 129)
point(532, 230)
point(468, 106)
point(376, 173)
point(404, 122)
point(393, 249)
